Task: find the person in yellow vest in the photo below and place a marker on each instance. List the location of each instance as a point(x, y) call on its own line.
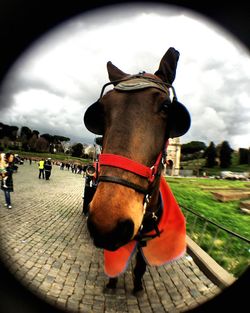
point(41, 168)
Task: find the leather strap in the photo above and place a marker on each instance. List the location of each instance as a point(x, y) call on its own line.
point(132, 166)
point(120, 181)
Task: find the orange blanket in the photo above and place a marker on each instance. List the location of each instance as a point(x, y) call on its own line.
point(170, 246)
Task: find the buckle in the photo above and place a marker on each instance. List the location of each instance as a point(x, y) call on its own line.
point(154, 216)
point(153, 172)
point(146, 202)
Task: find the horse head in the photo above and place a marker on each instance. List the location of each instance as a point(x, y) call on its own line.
point(136, 118)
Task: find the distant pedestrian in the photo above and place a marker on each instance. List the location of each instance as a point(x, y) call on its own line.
point(8, 187)
point(47, 168)
point(41, 168)
point(3, 172)
point(90, 185)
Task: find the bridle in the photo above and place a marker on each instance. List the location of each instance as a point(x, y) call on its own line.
point(143, 82)
point(179, 121)
point(121, 162)
point(94, 121)
point(135, 82)
point(151, 174)
point(129, 165)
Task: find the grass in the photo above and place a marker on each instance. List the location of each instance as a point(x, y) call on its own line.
point(200, 163)
point(53, 156)
point(231, 253)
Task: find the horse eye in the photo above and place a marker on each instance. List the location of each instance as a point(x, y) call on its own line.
point(165, 106)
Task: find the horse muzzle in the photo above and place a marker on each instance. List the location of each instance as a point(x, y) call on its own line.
point(113, 239)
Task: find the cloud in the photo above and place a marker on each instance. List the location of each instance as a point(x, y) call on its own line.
point(51, 85)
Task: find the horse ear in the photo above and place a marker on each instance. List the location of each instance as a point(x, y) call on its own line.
point(114, 72)
point(168, 65)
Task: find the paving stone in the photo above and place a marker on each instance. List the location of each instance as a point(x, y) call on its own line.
point(49, 250)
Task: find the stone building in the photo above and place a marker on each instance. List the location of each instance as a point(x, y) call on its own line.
point(173, 157)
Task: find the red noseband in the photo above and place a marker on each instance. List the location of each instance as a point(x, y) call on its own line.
point(129, 165)
point(124, 163)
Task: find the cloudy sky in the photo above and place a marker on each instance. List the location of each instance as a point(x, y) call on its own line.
point(59, 76)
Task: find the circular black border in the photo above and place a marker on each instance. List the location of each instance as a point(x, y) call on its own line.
point(22, 22)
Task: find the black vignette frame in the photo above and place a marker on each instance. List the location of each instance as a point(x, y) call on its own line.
point(23, 22)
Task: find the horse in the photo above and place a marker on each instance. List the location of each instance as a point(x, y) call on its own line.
point(127, 213)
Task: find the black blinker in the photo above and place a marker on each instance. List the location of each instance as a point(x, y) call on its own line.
point(94, 119)
point(179, 117)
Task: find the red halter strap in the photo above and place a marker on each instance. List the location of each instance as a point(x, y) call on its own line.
point(129, 165)
point(119, 161)
point(150, 173)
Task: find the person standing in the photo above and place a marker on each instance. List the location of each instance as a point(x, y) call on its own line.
point(41, 168)
point(47, 168)
point(90, 185)
point(3, 172)
point(8, 187)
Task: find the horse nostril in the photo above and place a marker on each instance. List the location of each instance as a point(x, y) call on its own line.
point(124, 230)
point(111, 240)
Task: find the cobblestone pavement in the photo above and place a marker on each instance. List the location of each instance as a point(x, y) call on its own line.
point(46, 245)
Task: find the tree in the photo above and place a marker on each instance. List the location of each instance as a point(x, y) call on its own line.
point(36, 133)
point(8, 131)
point(32, 142)
point(1, 130)
point(59, 139)
point(13, 132)
point(244, 156)
point(225, 155)
point(77, 150)
point(192, 147)
point(210, 155)
point(48, 138)
point(42, 145)
point(26, 133)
